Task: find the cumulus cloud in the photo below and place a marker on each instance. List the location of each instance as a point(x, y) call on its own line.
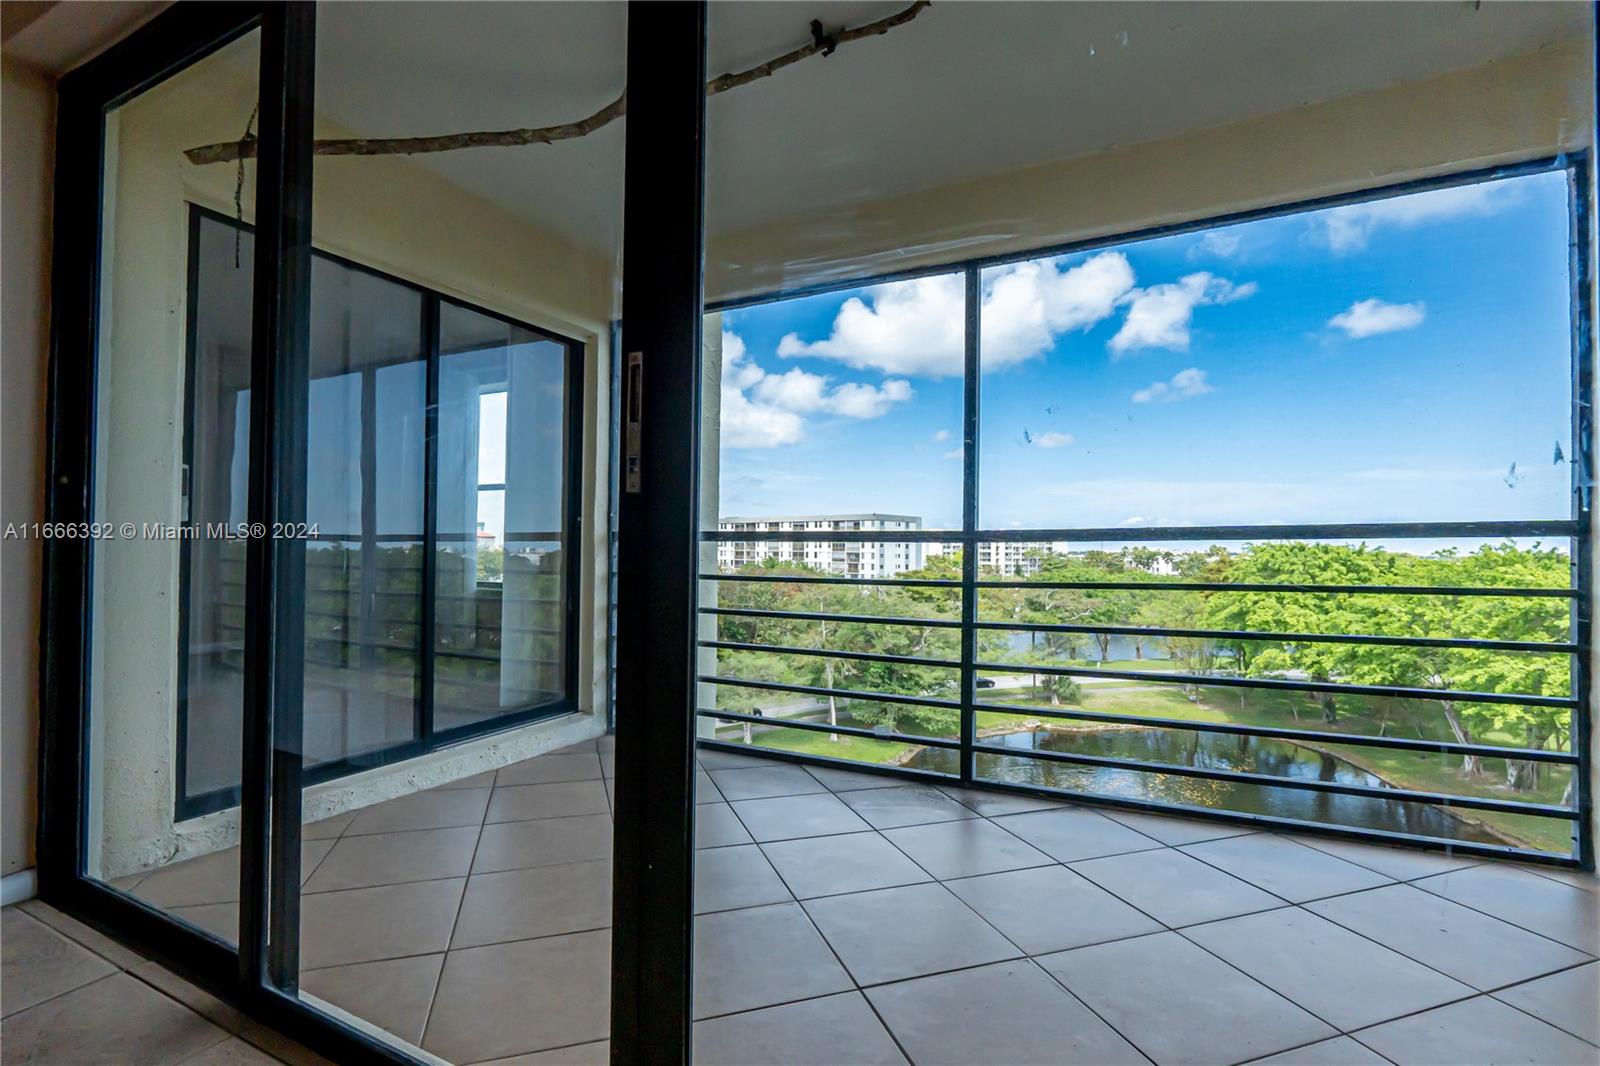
point(1184, 384)
point(1368, 318)
point(1216, 243)
point(916, 327)
point(1348, 228)
point(1054, 440)
point(1160, 316)
point(761, 410)
point(954, 453)
point(941, 436)
point(1028, 305)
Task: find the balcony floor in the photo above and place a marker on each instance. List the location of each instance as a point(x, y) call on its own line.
point(845, 918)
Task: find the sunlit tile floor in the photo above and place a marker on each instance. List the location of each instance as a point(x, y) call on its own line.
point(850, 918)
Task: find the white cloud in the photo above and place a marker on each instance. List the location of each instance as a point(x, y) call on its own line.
point(1028, 305)
point(1160, 316)
point(1347, 229)
point(1054, 440)
point(754, 425)
point(916, 327)
point(1368, 318)
point(795, 391)
point(954, 453)
point(941, 436)
point(775, 414)
point(1217, 243)
point(1184, 384)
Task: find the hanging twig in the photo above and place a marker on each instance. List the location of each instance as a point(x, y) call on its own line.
point(228, 151)
point(238, 188)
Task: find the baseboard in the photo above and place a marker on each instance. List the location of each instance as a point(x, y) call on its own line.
point(14, 888)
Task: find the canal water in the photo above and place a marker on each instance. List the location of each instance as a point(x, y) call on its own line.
point(1213, 751)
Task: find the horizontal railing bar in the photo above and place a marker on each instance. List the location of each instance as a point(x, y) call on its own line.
point(829, 653)
point(824, 616)
point(824, 727)
point(1563, 527)
point(837, 693)
point(1286, 685)
point(1158, 585)
point(825, 579)
point(834, 536)
point(1327, 829)
point(1547, 647)
point(1537, 810)
point(1441, 747)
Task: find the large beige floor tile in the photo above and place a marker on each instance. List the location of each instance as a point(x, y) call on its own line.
point(541, 901)
point(366, 924)
point(440, 809)
point(1569, 1000)
point(543, 842)
point(1481, 1030)
point(532, 995)
point(1011, 1012)
point(117, 1021)
point(394, 994)
point(39, 963)
point(558, 800)
point(1182, 1005)
point(815, 1032)
point(395, 858)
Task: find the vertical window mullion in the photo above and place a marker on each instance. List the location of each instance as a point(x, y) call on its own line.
point(273, 757)
point(969, 523)
point(428, 644)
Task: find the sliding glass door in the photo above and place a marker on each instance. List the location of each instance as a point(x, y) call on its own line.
point(328, 624)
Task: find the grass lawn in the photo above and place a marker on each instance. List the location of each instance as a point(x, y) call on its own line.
point(859, 749)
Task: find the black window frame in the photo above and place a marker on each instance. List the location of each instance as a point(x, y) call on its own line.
point(663, 250)
point(426, 738)
point(967, 745)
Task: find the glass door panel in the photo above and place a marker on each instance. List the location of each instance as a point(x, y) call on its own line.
point(457, 812)
point(171, 465)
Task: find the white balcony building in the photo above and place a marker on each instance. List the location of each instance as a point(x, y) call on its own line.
point(858, 559)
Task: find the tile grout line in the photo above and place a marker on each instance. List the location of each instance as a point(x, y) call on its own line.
point(466, 884)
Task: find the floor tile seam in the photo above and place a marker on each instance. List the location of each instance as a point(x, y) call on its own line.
point(1473, 992)
point(1495, 995)
point(455, 924)
point(1339, 1029)
point(1457, 980)
point(74, 941)
point(1468, 861)
point(1236, 877)
point(448, 951)
point(1419, 885)
point(1355, 1033)
point(69, 991)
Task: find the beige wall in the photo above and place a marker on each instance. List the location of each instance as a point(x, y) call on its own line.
point(27, 116)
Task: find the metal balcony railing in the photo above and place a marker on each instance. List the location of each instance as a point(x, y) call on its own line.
point(977, 754)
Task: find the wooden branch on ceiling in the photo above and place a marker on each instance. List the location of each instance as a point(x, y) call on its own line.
point(245, 147)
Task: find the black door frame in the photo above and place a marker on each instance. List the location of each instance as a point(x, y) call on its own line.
point(654, 876)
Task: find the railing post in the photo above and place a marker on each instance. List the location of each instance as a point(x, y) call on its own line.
point(969, 528)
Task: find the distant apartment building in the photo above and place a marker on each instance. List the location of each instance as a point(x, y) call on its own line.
point(1020, 558)
point(858, 559)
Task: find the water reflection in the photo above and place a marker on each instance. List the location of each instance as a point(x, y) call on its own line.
point(1216, 751)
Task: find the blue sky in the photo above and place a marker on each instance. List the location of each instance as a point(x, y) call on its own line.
point(1372, 362)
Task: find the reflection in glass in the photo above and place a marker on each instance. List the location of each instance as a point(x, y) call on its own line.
point(499, 632)
point(364, 497)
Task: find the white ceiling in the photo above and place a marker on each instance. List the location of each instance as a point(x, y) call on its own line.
point(966, 89)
